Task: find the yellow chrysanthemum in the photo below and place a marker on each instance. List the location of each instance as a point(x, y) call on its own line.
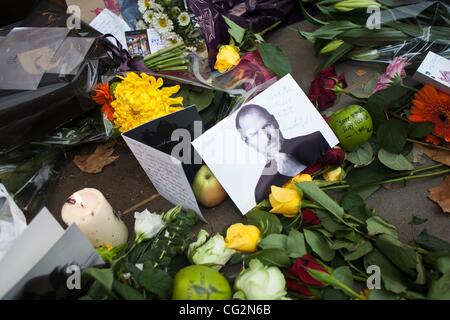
point(140, 99)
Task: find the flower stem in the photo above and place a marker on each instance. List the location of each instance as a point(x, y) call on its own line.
point(400, 179)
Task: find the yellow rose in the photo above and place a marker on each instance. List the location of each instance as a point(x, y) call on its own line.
point(285, 201)
point(227, 58)
point(242, 238)
point(334, 175)
point(302, 177)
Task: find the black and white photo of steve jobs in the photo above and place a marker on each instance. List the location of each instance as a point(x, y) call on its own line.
point(286, 158)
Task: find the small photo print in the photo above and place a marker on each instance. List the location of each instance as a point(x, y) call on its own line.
point(137, 43)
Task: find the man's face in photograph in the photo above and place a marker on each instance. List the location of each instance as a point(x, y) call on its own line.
point(259, 130)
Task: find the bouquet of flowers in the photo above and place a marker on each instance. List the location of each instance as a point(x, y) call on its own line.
point(172, 22)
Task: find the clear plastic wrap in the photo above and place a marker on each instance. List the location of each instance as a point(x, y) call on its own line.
point(425, 26)
point(65, 67)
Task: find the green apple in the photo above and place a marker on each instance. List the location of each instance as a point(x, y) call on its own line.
point(207, 189)
point(199, 282)
point(352, 125)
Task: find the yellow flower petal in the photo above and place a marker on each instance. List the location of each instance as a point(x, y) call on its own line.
point(242, 238)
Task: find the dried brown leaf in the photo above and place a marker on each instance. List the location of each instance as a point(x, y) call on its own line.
point(360, 72)
point(438, 155)
point(441, 194)
point(96, 161)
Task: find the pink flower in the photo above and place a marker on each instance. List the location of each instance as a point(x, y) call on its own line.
point(395, 70)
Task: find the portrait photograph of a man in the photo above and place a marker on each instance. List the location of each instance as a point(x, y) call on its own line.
point(267, 141)
point(285, 157)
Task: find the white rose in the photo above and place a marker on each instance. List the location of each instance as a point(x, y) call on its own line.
point(147, 225)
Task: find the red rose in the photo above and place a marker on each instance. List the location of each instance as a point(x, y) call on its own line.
point(334, 157)
point(313, 168)
point(300, 267)
point(298, 288)
point(322, 92)
point(309, 218)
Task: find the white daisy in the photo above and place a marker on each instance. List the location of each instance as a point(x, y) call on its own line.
point(184, 19)
point(162, 23)
point(141, 25)
point(148, 16)
point(171, 39)
point(144, 5)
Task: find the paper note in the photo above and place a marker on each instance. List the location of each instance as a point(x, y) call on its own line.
point(109, 22)
point(166, 173)
point(155, 40)
point(42, 233)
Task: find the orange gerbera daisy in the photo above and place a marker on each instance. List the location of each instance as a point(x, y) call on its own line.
point(104, 98)
point(102, 95)
point(430, 104)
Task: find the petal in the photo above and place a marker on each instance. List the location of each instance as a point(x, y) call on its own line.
point(283, 194)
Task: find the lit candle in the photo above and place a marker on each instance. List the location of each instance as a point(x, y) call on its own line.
point(95, 217)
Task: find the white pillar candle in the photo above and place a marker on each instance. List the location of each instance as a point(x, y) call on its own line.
point(95, 217)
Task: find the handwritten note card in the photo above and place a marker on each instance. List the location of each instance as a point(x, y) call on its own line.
point(108, 22)
point(152, 145)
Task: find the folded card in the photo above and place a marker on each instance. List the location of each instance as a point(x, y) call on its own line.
point(265, 142)
point(163, 149)
point(434, 70)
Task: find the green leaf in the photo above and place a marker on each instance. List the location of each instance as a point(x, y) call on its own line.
point(366, 191)
point(443, 264)
point(319, 196)
point(362, 248)
point(401, 255)
point(295, 245)
point(392, 135)
point(235, 30)
point(335, 56)
point(377, 225)
point(394, 161)
point(319, 245)
point(381, 294)
point(420, 130)
point(156, 281)
point(126, 292)
point(266, 222)
point(104, 276)
point(362, 156)
point(274, 241)
point(201, 98)
point(392, 278)
point(368, 175)
point(384, 99)
point(440, 288)
point(344, 275)
point(432, 243)
point(275, 59)
point(327, 220)
point(355, 206)
point(330, 293)
point(417, 220)
point(270, 257)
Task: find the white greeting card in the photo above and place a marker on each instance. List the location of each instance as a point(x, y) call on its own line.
point(267, 141)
